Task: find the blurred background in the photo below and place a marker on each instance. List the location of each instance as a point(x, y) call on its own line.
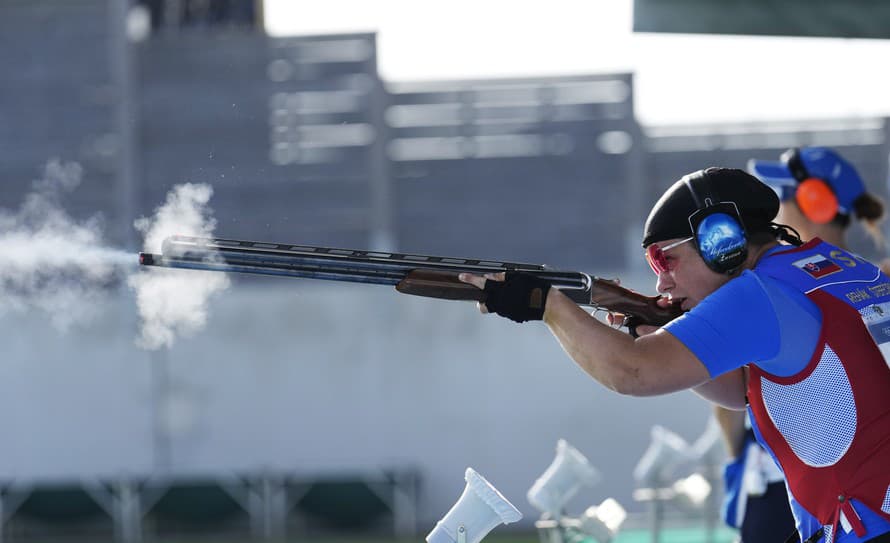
point(298, 409)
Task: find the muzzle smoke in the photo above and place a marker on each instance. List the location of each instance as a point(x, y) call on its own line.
point(64, 268)
point(51, 263)
point(174, 302)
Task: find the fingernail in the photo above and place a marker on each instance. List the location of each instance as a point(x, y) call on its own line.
point(462, 276)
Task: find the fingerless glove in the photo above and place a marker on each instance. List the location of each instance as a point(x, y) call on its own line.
point(520, 297)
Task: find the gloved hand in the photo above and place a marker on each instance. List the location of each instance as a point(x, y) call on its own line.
point(520, 297)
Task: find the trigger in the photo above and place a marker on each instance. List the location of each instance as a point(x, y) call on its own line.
point(631, 322)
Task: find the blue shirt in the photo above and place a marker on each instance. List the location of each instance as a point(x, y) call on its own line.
point(751, 319)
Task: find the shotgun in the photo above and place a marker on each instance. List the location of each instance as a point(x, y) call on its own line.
point(420, 275)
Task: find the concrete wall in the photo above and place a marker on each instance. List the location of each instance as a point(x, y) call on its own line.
point(320, 377)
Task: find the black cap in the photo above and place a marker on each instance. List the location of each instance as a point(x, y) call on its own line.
point(758, 204)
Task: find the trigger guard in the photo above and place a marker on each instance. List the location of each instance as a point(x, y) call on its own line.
point(631, 322)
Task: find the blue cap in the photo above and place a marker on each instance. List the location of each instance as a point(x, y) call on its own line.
point(820, 162)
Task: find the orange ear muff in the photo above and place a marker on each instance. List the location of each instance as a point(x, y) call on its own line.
point(816, 200)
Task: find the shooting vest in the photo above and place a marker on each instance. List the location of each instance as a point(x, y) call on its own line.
point(829, 424)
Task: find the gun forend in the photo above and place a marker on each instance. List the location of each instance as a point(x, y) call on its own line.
point(438, 284)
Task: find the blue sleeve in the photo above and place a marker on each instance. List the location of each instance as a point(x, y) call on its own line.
point(732, 327)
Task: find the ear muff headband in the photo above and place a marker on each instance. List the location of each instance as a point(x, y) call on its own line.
point(813, 196)
point(716, 226)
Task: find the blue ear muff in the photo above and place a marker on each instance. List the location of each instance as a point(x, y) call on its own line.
point(717, 227)
point(721, 241)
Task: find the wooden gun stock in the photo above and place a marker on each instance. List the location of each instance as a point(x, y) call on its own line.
point(637, 308)
point(603, 294)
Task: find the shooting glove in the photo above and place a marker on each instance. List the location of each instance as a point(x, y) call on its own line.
point(520, 298)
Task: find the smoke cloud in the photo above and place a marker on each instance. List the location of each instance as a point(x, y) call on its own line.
point(51, 263)
point(64, 268)
point(173, 303)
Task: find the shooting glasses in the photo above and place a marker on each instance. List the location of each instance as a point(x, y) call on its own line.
point(656, 258)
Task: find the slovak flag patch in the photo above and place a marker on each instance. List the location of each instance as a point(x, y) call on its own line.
point(817, 266)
